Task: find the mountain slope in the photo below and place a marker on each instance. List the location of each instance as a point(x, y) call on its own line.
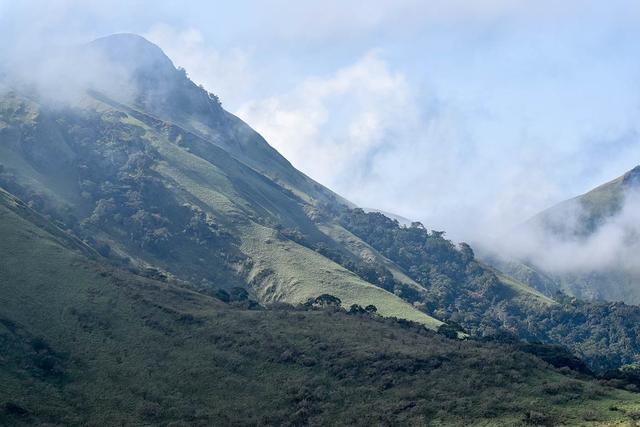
point(166, 93)
point(84, 343)
point(145, 168)
point(465, 293)
point(582, 215)
point(160, 176)
point(586, 246)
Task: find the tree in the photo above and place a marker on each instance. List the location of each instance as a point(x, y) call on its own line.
point(324, 301)
point(238, 294)
point(356, 309)
point(371, 309)
point(448, 331)
point(467, 252)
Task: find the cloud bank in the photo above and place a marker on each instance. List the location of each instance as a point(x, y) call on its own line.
point(566, 244)
point(469, 116)
point(229, 72)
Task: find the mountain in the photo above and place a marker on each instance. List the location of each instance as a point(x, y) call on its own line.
point(162, 264)
point(148, 166)
point(586, 246)
point(583, 215)
point(83, 342)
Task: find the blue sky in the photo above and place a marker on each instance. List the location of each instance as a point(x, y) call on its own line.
point(467, 115)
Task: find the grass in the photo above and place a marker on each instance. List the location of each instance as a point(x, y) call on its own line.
point(124, 350)
point(281, 271)
point(523, 290)
point(365, 252)
point(296, 273)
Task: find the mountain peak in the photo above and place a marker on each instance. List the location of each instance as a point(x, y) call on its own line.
point(132, 51)
point(152, 82)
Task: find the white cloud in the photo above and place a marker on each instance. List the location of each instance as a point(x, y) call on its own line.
point(330, 127)
point(613, 246)
point(229, 75)
point(363, 132)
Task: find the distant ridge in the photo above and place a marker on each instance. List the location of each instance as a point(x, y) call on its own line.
point(573, 222)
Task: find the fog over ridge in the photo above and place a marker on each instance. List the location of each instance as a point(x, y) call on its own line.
point(484, 125)
point(565, 243)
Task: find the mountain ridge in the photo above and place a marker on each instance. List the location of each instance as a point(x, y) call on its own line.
point(593, 221)
point(155, 188)
point(86, 343)
point(598, 203)
point(120, 158)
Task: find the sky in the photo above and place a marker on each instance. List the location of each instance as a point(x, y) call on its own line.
point(469, 116)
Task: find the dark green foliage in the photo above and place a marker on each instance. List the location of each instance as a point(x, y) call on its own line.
point(537, 418)
point(450, 330)
point(447, 331)
point(605, 334)
point(324, 301)
point(451, 277)
point(171, 187)
point(555, 355)
point(33, 355)
point(356, 309)
point(14, 409)
point(238, 294)
point(459, 289)
point(223, 295)
point(626, 376)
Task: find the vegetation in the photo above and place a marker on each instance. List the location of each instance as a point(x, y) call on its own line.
point(161, 264)
point(148, 193)
point(83, 343)
point(459, 289)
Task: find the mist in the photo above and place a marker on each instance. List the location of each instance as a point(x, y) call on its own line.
point(565, 244)
point(470, 116)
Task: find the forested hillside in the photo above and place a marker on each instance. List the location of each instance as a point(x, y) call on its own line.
point(82, 342)
point(161, 263)
point(459, 289)
point(161, 177)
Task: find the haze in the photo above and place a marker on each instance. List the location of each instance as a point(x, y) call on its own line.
point(469, 116)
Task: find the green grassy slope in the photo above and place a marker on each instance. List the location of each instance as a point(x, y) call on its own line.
point(84, 344)
point(286, 271)
point(523, 290)
point(167, 179)
point(192, 171)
